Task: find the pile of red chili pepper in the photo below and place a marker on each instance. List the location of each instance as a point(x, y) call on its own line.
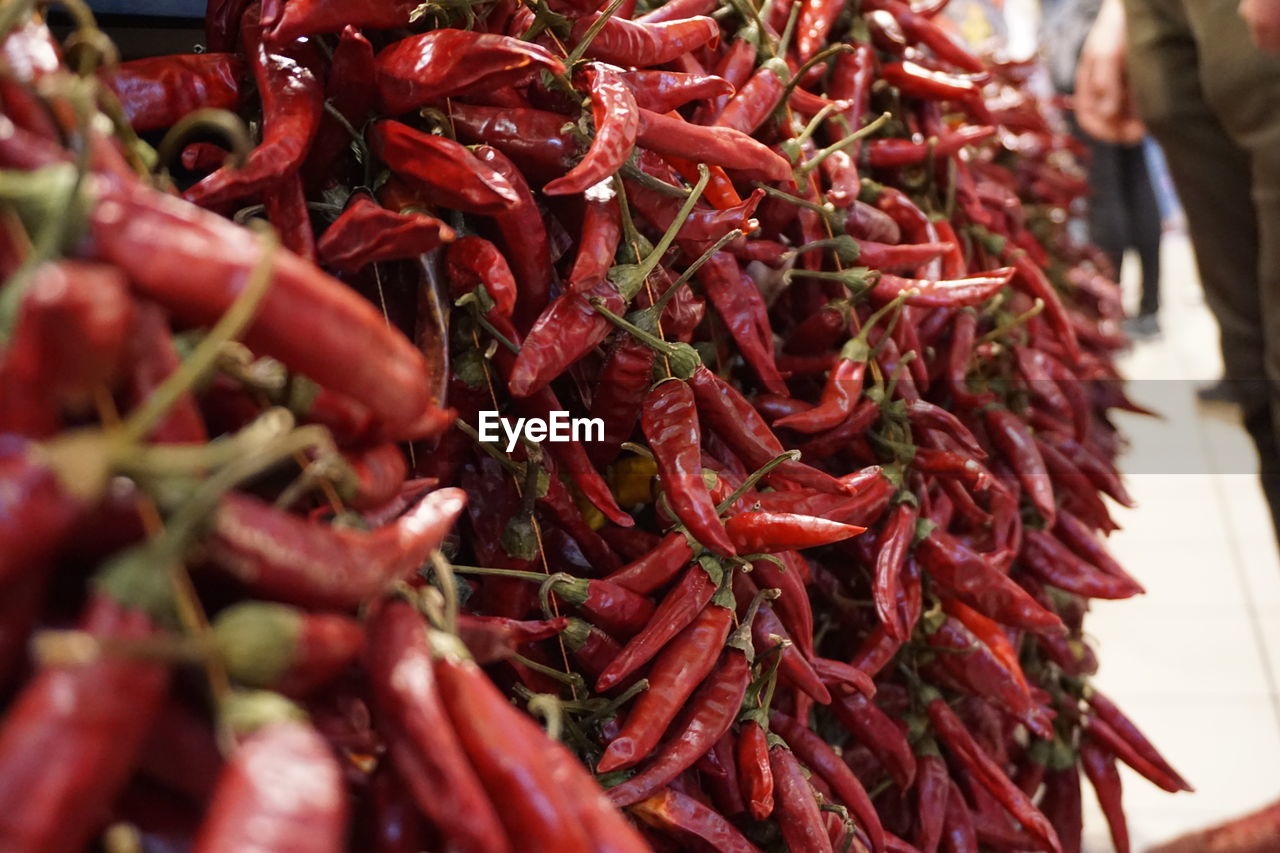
point(816, 584)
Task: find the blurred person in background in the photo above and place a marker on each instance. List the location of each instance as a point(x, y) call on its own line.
point(1123, 211)
point(1204, 76)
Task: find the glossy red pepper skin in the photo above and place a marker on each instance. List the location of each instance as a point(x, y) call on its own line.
point(597, 246)
point(531, 138)
point(640, 44)
point(711, 712)
point(895, 542)
point(896, 153)
point(1158, 773)
point(932, 789)
point(525, 236)
point(71, 737)
point(36, 510)
point(656, 568)
point(670, 423)
point(158, 91)
point(70, 340)
point(683, 817)
point(839, 395)
point(721, 146)
point(678, 609)
point(350, 79)
point(285, 206)
point(506, 749)
point(288, 558)
point(302, 18)
point(919, 29)
point(755, 775)
point(819, 757)
point(1061, 804)
point(1100, 767)
point(292, 103)
point(960, 743)
point(617, 120)
point(928, 293)
point(193, 263)
point(448, 172)
point(471, 261)
point(756, 99)
point(367, 233)
point(768, 632)
point(770, 532)
point(421, 740)
point(1010, 435)
point(959, 835)
point(567, 330)
point(796, 805)
point(663, 91)
point(427, 68)
point(252, 808)
point(676, 672)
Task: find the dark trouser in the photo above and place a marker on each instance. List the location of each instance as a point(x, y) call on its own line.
point(1212, 100)
point(1123, 213)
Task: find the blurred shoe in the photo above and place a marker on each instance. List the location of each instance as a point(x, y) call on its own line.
point(1218, 392)
point(1143, 327)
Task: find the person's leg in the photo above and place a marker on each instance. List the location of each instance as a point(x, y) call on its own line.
point(1214, 178)
point(1107, 226)
point(1144, 224)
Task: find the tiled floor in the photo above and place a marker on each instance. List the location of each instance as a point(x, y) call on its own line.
point(1196, 661)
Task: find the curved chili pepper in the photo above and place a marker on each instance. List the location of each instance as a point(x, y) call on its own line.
point(642, 44)
point(927, 293)
point(616, 119)
point(664, 91)
point(770, 532)
point(916, 81)
point(1100, 767)
point(367, 233)
point(158, 91)
point(678, 609)
point(494, 638)
point(670, 423)
point(711, 713)
point(918, 28)
point(757, 98)
point(597, 246)
point(592, 648)
point(1061, 804)
point(959, 835)
point(446, 169)
point(899, 531)
point(905, 257)
point(721, 146)
point(896, 153)
point(796, 806)
point(1036, 284)
point(932, 789)
point(444, 63)
point(684, 817)
point(72, 735)
point(531, 138)
point(472, 261)
point(350, 79)
point(988, 773)
point(525, 237)
point(676, 672)
point(656, 568)
point(1011, 438)
point(422, 743)
point(613, 607)
point(1158, 773)
point(290, 559)
point(249, 809)
point(879, 733)
point(567, 330)
point(292, 103)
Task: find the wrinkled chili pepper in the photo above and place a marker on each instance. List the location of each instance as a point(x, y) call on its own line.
point(158, 91)
point(367, 233)
point(1100, 767)
point(617, 120)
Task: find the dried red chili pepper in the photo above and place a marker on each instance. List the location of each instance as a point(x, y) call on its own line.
point(1061, 804)
point(72, 735)
point(447, 170)
point(755, 775)
point(684, 817)
point(158, 91)
point(281, 790)
point(988, 773)
point(796, 805)
point(1043, 555)
point(770, 532)
point(443, 63)
point(531, 138)
point(350, 79)
point(290, 559)
point(879, 733)
point(711, 712)
point(1160, 774)
point(928, 293)
point(601, 233)
point(641, 44)
point(663, 91)
point(292, 103)
point(1127, 731)
point(617, 120)
point(1100, 767)
point(367, 233)
point(678, 609)
point(301, 18)
point(656, 568)
point(421, 740)
point(1010, 435)
point(721, 146)
point(276, 647)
